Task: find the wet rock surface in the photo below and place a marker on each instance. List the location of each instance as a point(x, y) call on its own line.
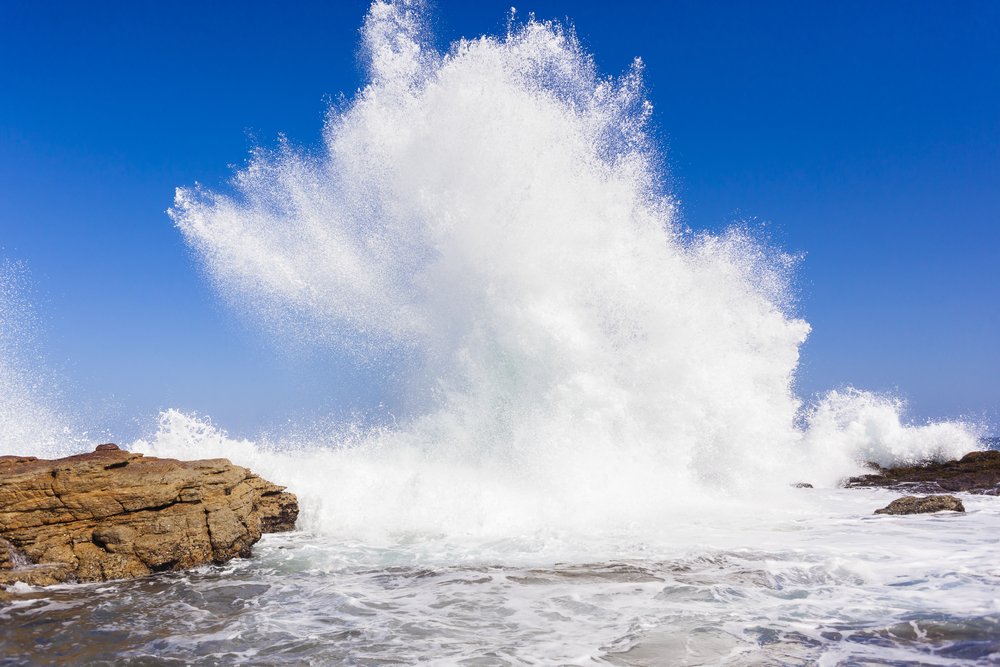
point(925, 505)
point(113, 514)
point(976, 472)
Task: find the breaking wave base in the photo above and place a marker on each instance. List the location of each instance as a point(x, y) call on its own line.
point(596, 426)
point(490, 223)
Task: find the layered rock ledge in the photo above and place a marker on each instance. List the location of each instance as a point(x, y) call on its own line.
point(113, 514)
point(976, 472)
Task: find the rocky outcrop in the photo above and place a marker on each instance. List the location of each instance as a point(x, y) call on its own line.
point(279, 509)
point(925, 505)
point(112, 514)
point(976, 472)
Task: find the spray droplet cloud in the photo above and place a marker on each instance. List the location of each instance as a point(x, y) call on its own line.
point(495, 215)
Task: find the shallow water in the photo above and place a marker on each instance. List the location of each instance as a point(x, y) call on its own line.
point(839, 587)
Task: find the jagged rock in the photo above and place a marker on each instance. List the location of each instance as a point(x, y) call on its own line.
point(279, 509)
point(925, 505)
point(112, 514)
point(976, 472)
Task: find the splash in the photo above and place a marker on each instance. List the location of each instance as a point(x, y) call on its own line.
point(494, 216)
point(30, 422)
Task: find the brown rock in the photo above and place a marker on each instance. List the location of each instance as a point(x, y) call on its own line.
point(112, 514)
point(976, 472)
point(37, 575)
point(925, 505)
point(279, 508)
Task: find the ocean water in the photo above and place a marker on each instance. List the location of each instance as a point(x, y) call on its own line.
point(818, 582)
point(596, 431)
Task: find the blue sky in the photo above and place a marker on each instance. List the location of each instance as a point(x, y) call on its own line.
point(866, 135)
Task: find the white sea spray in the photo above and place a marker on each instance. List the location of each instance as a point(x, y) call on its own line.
point(31, 421)
point(494, 215)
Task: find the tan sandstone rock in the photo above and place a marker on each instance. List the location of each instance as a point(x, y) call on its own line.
point(112, 514)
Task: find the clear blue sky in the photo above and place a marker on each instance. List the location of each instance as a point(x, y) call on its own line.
point(866, 134)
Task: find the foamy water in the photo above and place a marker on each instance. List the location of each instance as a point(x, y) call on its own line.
point(832, 586)
point(599, 430)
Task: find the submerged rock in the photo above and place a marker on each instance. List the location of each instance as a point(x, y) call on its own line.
point(976, 472)
point(112, 514)
point(925, 505)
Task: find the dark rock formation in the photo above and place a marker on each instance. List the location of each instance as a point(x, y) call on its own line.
point(925, 505)
point(112, 514)
point(976, 472)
